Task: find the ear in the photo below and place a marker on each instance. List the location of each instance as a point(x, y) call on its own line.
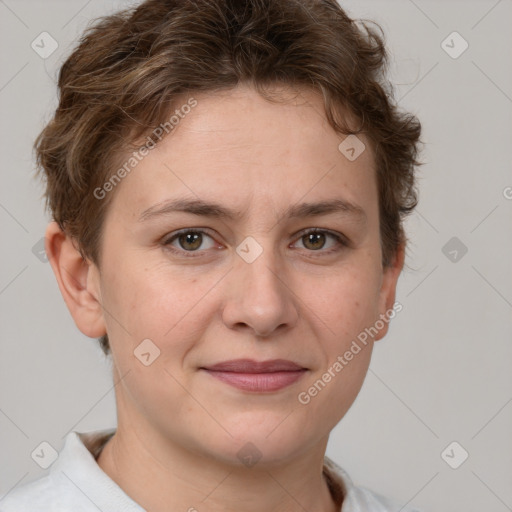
point(387, 294)
point(78, 281)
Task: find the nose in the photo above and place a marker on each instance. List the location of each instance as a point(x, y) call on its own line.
point(260, 299)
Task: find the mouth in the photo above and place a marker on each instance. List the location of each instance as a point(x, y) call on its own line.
point(264, 376)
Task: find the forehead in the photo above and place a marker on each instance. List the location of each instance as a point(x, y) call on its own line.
point(238, 146)
point(291, 123)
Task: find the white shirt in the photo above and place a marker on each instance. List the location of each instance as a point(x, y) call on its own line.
point(75, 483)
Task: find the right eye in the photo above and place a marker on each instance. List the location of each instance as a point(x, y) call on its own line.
point(188, 241)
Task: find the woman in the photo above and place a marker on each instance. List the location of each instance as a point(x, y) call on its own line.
point(228, 182)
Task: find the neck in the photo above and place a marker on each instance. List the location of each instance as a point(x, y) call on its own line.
point(178, 479)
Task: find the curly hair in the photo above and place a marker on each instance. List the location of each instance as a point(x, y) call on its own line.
point(129, 69)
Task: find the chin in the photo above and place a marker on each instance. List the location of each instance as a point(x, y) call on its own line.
point(261, 438)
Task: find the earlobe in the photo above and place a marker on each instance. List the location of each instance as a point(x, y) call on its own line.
point(390, 277)
point(77, 280)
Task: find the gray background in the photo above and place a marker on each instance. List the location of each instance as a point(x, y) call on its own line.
point(442, 374)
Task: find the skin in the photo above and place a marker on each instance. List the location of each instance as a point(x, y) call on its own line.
point(179, 429)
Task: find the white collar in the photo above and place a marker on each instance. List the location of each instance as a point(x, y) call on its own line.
point(77, 463)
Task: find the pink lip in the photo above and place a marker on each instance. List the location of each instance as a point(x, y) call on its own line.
point(252, 375)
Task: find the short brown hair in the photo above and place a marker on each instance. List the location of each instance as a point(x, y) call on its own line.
point(129, 68)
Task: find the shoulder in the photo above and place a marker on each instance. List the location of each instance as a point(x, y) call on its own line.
point(357, 498)
point(70, 483)
point(362, 499)
point(43, 495)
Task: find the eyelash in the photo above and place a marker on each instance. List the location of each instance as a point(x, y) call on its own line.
point(340, 241)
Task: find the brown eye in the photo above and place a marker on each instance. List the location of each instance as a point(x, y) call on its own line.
point(189, 241)
point(314, 241)
point(322, 241)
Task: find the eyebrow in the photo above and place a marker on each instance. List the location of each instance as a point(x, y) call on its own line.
point(209, 209)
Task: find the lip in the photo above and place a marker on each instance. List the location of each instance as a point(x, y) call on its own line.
point(251, 366)
point(258, 376)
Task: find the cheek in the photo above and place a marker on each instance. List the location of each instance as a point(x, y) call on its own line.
point(331, 392)
point(170, 308)
point(348, 302)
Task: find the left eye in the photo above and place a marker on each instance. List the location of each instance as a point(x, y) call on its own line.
point(316, 239)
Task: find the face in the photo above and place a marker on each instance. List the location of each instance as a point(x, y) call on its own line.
point(213, 249)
